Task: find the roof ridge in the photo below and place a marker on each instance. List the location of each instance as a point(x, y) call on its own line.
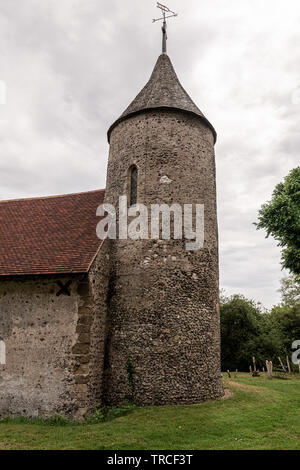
point(55, 196)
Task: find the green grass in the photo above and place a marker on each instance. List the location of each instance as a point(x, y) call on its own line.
point(262, 414)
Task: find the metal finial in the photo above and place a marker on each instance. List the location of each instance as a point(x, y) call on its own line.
point(164, 10)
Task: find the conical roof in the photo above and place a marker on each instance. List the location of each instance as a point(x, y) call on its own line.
point(163, 91)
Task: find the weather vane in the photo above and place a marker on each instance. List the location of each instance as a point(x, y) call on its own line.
point(165, 10)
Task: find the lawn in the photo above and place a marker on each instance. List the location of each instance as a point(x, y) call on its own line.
point(261, 414)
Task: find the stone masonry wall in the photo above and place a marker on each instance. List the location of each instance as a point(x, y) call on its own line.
point(163, 311)
point(54, 345)
point(39, 330)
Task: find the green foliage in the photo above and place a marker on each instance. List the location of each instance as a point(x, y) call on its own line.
point(113, 413)
point(290, 290)
point(287, 320)
point(240, 332)
point(247, 331)
point(131, 376)
point(101, 414)
point(96, 416)
point(58, 420)
point(280, 217)
point(55, 420)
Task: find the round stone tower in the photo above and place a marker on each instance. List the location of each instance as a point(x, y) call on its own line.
point(163, 335)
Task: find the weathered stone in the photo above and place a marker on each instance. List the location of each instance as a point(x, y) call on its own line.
point(82, 369)
point(81, 390)
point(84, 310)
point(85, 320)
point(81, 348)
point(84, 359)
point(82, 328)
point(84, 338)
point(38, 329)
point(81, 379)
point(83, 289)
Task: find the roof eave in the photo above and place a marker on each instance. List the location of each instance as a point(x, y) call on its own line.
point(51, 275)
point(162, 108)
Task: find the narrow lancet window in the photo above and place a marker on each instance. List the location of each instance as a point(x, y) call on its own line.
point(133, 185)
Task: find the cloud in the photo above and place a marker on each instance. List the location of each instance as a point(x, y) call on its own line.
point(72, 67)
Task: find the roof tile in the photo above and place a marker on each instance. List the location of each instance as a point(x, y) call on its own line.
point(49, 235)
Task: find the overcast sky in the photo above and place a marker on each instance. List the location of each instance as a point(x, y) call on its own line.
point(71, 67)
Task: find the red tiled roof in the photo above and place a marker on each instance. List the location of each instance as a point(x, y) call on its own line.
point(49, 235)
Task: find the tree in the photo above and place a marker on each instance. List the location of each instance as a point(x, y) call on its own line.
point(247, 330)
point(287, 315)
point(280, 217)
point(240, 331)
point(290, 290)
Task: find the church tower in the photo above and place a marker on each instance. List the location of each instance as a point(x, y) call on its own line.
point(163, 337)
